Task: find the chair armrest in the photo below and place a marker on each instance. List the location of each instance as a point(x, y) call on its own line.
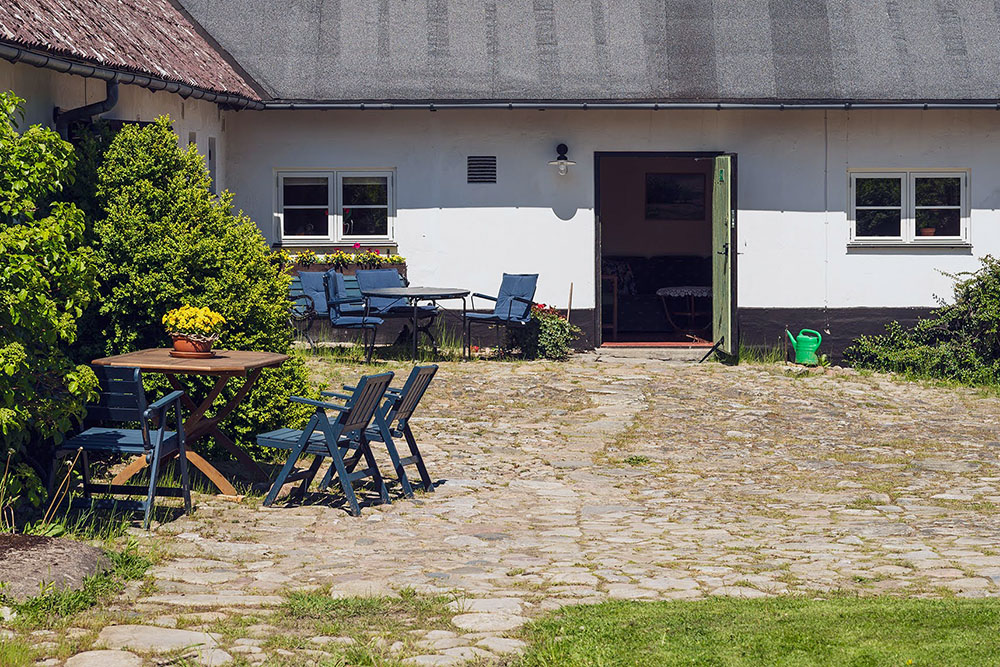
point(348, 387)
point(316, 404)
point(336, 395)
point(158, 405)
point(523, 300)
point(484, 296)
point(348, 299)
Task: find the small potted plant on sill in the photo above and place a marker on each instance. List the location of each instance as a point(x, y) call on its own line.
point(927, 230)
point(193, 331)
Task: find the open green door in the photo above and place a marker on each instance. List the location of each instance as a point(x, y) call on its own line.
point(723, 254)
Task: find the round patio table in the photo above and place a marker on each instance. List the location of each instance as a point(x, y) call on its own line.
point(416, 294)
point(224, 365)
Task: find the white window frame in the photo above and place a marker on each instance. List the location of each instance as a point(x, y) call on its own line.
point(334, 179)
point(388, 206)
point(908, 233)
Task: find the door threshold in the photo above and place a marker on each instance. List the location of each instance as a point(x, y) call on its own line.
point(664, 343)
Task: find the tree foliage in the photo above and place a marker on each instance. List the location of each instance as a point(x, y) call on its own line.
point(165, 241)
point(47, 279)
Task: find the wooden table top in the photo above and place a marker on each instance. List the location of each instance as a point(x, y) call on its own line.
point(225, 362)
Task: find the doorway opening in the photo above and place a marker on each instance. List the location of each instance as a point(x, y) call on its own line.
point(655, 230)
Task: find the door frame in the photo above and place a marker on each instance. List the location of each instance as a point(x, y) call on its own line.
point(598, 310)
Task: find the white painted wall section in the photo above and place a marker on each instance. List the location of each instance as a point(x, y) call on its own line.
point(792, 191)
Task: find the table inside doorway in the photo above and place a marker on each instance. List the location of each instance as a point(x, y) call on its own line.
point(691, 292)
point(226, 364)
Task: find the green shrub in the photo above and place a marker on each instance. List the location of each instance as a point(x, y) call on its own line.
point(46, 280)
point(548, 335)
point(959, 341)
point(164, 241)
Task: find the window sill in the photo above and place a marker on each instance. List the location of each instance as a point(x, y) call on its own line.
point(347, 246)
point(911, 245)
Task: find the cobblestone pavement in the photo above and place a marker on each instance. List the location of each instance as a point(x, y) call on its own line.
point(608, 478)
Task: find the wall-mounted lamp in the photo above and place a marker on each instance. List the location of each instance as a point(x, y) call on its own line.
point(561, 162)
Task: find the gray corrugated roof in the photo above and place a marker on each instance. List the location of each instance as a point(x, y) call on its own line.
point(662, 50)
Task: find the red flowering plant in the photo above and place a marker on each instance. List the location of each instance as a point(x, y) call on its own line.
point(548, 335)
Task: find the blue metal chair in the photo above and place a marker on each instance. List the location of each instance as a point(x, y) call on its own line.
point(392, 420)
point(123, 399)
point(307, 302)
point(512, 305)
point(326, 436)
point(347, 312)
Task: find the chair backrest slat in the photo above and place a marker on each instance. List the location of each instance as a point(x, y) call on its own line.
point(376, 278)
point(521, 285)
point(122, 397)
point(420, 378)
point(363, 402)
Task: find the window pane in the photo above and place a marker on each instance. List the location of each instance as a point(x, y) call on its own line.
point(305, 191)
point(366, 222)
point(306, 222)
point(944, 222)
point(878, 223)
point(878, 192)
point(361, 190)
point(945, 191)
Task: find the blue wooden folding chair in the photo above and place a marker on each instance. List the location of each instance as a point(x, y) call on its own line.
point(512, 305)
point(333, 436)
point(123, 399)
point(392, 420)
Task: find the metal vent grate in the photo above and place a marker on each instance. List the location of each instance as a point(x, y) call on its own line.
point(482, 169)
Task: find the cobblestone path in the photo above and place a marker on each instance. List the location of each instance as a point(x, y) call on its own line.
point(614, 478)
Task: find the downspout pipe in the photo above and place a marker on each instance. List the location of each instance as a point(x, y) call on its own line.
point(20, 55)
point(63, 119)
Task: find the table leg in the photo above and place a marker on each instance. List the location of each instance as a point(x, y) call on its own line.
point(197, 425)
point(466, 351)
point(416, 333)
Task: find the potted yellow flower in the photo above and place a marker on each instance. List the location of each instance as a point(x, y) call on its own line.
point(193, 330)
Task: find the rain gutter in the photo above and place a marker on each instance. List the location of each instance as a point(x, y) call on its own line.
point(646, 106)
point(21, 55)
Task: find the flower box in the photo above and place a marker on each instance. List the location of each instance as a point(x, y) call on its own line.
point(347, 270)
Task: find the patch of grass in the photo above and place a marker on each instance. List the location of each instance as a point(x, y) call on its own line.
point(787, 631)
point(14, 653)
point(354, 615)
point(638, 460)
point(54, 605)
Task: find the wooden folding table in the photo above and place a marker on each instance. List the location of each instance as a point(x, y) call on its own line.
point(224, 365)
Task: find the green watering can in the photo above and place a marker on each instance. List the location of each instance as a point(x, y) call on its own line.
point(805, 346)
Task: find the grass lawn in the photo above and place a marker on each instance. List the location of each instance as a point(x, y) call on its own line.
point(772, 631)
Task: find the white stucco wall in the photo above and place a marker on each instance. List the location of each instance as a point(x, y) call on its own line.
point(792, 189)
point(44, 89)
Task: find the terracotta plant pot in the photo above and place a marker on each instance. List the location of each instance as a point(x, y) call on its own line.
point(926, 231)
point(189, 345)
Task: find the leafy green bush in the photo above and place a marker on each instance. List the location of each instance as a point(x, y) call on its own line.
point(46, 280)
point(960, 341)
point(548, 335)
point(164, 241)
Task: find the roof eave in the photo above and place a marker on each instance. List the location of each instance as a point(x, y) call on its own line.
point(653, 105)
point(40, 58)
